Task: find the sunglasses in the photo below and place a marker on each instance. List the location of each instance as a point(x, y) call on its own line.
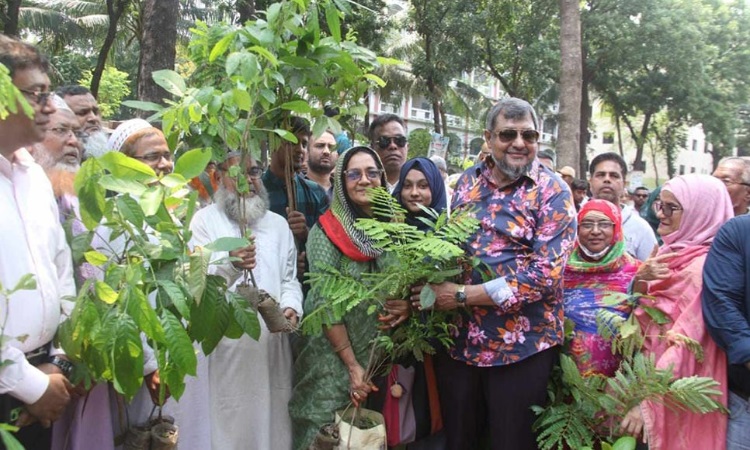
point(354, 175)
point(510, 135)
point(385, 141)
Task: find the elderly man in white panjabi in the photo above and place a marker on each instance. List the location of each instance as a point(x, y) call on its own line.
point(247, 384)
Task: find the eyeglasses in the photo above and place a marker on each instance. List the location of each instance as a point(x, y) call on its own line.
point(602, 226)
point(356, 174)
point(385, 141)
point(727, 182)
point(154, 157)
point(510, 135)
point(65, 131)
point(665, 209)
point(38, 97)
point(254, 172)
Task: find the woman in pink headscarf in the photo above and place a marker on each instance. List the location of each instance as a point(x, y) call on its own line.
point(691, 209)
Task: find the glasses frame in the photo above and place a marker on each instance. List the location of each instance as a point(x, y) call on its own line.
point(659, 207)
point(369, 173)
point(511, 134)
point(79, 134)
point(384, 142)
point(152, 157)
point(731, 182)
point(38, 97)
point(601, 225)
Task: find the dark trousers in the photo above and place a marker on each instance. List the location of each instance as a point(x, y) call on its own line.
point(476, 401)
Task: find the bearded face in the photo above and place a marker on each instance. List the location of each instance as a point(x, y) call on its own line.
point(254, 205)
point(95, 145)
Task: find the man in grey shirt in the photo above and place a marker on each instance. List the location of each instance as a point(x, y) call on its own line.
point(607, 179)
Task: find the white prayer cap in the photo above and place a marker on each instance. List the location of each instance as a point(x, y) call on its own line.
point(60, 104)
point(124, 131)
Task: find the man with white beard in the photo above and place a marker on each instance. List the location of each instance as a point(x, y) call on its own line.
point(85, 107)
point(239, 398)
point(59, 153)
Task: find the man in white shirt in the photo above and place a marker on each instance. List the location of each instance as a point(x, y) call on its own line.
point(33, 242)
point(607, 172)
point(246, 386)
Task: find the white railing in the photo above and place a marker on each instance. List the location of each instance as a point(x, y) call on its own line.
point(422, 114)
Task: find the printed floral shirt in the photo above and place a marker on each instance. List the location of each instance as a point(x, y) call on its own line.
point(527, 231)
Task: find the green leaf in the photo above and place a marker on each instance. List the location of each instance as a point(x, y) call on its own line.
point(105, 293)
point(656, 315)
point(171, 81)
point(242, 99)
point(334, 23)
point(298, 106)
point(193, 163)
point(375, 79)
point(127, 356)
point(121, 185)
point(176, 295)
point(10, 441)
point(122, 166)
point(287, 135)
point(625, 443)
point(90, 193)
point(233, 62)
point(227, 244)
point(27, 282)
point(144, 106)
point(245, 315)
point(173, 180)
point(427, 297)
point(143, 314)
point(151, 200)
point(130, 210)
point(264, 53)
point(320, 126)
point(197, 273)
point(95, 258)
point(222, 318)
point(221, 46)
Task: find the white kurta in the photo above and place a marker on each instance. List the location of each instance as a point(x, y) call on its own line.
point(242, 404)
point(31, 241)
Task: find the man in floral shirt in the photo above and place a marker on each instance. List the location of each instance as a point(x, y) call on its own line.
point(510, 317)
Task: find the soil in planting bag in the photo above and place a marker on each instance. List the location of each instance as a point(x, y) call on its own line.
point(366, 433)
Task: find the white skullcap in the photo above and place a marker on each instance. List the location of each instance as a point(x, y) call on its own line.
point(60, 104)
point(124, 131)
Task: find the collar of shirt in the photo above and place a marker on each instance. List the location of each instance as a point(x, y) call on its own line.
point(21, 157)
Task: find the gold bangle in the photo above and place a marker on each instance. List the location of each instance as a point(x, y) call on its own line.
point(342, 347)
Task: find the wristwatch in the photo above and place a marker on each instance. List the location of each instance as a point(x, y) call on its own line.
point(461, 295)
point(65, 366)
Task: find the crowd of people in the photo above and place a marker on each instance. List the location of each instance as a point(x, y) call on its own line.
point(552, 247)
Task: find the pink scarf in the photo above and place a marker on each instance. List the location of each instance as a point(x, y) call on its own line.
point(706, 206)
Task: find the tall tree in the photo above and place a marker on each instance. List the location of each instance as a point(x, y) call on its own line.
point(9, 11)
point(570, 84)
point(158, 45)
point(115, 10)
point(517, 43)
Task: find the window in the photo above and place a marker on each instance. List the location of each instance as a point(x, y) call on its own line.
point(692, 170)
point(695, 145)
point(682, 169)
point(608, 137)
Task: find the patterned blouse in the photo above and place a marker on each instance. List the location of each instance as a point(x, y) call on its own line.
point(528, 229)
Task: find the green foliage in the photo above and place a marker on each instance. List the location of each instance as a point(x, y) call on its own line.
point(248, 79)
point(413, 257)
point(419, 142)
point(115, 86)
point(585, 410)
point(11, 97)
point(151, 286)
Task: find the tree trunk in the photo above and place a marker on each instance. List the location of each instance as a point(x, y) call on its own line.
point(246, 9)
point(584, 124)
point(115, 9)
point(443, 119)
point(436, 115)
point(10, 17)
point(158, 46)
point(571, 79)
point(619, 134)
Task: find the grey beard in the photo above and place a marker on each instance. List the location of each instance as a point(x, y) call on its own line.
point(255, 206)
point(512, 172)
point(47, 162)
point(95, 145)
